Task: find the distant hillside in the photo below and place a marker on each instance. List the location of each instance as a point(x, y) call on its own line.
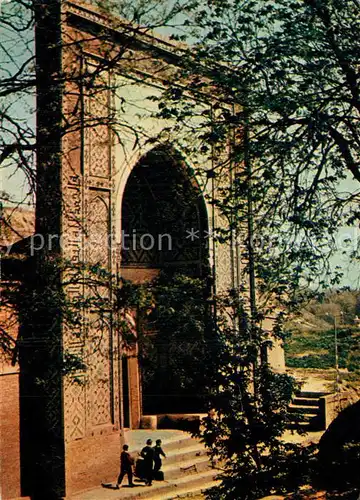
point(344, 306)
point(311, 342)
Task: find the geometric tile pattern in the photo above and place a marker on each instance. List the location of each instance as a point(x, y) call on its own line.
point(89, 400)
point(74, 404)
point(99, 358)
point(99, 387)
point(97, 130)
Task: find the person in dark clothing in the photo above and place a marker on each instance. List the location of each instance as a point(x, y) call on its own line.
point(148, 455)
point(158, 453)
point(126, 463)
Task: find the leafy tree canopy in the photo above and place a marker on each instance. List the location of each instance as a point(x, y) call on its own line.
point(288, 70)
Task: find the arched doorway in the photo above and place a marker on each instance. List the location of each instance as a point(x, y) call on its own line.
point(164, 221)
point(164, 243)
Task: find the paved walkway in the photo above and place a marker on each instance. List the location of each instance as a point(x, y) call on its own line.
point(112, 494)
point(310, 437)
point(314, 380)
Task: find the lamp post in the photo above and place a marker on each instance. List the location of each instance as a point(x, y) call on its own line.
point(336, 351)
point(336, 357)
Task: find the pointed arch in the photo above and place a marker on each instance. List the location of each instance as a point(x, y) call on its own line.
point(164, 219)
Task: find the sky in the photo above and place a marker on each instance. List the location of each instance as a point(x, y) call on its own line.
point(16, 47)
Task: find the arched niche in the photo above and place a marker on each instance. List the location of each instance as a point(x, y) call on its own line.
point(165, 228)
point(164, 220)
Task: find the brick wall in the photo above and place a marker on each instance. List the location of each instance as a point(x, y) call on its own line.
point(9, 416)
point(91, 460)
point(9, 435)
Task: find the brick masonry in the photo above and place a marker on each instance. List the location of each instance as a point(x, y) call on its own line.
point(93, 460)
point(9, 435)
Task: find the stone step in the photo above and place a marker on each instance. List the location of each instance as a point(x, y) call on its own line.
point(188, 481)
point(304, 417)
point(179, 448)
point(306, 401)
point(306, 405)
point(308, 425)
point(189, 467)
point(187, 492)
point(170, 439)
point(305, 426)
point(186, 442)
point(170, 488)
point(311, 394)
point(304, 410)
point(160, 490)
point(185, 454)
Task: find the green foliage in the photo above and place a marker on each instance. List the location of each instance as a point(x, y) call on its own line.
point(174, 346)
point(41, 305)
point(311, 342)
point(284, 469)
point(248, 413)
point(285, 100)
point(322, 350)
point(285, 72)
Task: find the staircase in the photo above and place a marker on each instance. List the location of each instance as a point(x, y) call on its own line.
point(187, 470)
point(305, 410)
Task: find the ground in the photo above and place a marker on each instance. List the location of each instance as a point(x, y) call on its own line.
point(320, 380)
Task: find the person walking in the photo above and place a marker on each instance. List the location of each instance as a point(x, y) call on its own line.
point(158, 453)
point(147, 454)
point(126, 463)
